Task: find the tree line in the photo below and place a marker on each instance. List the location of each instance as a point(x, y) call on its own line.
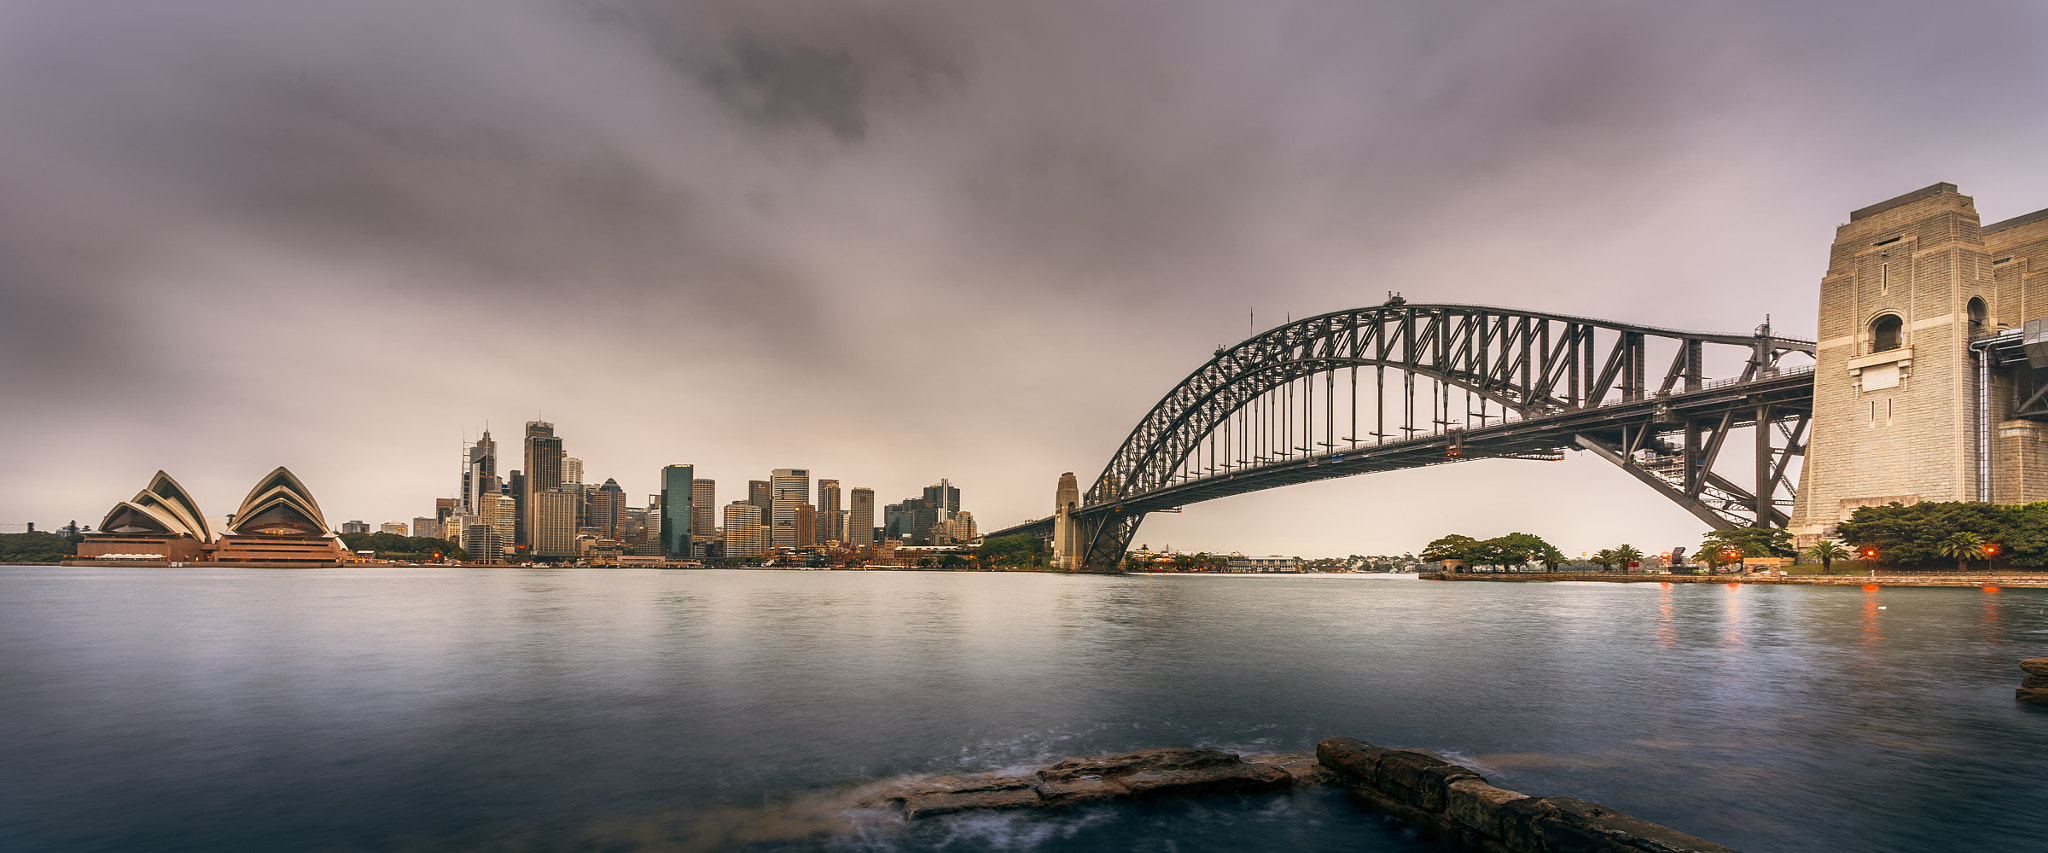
point(1937, 533)
point(394, 545)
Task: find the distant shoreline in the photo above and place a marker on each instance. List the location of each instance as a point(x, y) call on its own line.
point(2026, 581)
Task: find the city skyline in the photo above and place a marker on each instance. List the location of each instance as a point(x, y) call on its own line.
point(974, 240)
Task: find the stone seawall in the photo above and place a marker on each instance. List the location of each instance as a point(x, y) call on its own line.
point(1459, 808)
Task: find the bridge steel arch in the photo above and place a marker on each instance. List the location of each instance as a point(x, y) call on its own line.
point(1253, 416)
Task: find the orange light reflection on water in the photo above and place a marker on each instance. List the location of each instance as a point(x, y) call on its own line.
point(1667, 633)
point(1731, 617)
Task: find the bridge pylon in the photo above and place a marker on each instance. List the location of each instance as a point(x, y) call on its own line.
point(1923, 389)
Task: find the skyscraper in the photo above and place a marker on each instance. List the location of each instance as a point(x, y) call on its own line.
point(945, 499)
point(703, 511)
point(572, 470)
point(500, 512)
point(830, 520)
point(760, 495)
point(677, 483)
point(606, 502)
point(515, 485)
point(860, 518)
point(554, 523)
point(806, 525)
point(543, 471)
point(479, 472)
point(791, 488)
point(745, 536)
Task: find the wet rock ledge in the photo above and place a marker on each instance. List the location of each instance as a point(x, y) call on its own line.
point(1147, 772)
point(1447, 801)
point(2034, 687)
point(1458, 807)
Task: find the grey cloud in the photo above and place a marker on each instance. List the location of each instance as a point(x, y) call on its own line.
point(791, 84)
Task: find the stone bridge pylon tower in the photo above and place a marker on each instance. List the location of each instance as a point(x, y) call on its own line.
point(1923, 389)
point(1069, 546)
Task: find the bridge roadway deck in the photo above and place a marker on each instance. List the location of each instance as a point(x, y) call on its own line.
point(1545, 434)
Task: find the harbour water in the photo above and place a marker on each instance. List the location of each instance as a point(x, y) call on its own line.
point(523, 709)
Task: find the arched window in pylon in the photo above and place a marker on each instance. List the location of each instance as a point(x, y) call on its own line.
point(1885, 332)
point(1980, 317)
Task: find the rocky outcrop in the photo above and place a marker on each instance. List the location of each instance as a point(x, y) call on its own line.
point(1147, 772)
point(2034, 687)
point(1452, 802)
point(1458, 806)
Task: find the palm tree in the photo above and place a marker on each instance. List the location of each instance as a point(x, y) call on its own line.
point(1627, 554)
point(1827, 551)
point(1962, 545)
point(1604, 558)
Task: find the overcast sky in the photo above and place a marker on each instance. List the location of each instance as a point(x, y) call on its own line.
point(898, 241)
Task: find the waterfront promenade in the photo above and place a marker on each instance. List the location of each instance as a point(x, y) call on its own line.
point(2030, 579)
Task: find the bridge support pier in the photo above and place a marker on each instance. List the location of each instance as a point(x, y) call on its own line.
point(1091, 543)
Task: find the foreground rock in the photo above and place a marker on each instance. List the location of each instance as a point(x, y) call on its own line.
point(1147, 772)
point(2034, 687)
point(1457, 806)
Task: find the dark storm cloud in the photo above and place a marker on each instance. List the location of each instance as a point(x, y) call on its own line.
point(791, 85)
point(845, 201)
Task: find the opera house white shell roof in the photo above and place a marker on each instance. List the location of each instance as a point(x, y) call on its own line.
point(162, 509)
point(279, 505)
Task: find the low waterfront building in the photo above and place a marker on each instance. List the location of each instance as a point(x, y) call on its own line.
point(1242, 564)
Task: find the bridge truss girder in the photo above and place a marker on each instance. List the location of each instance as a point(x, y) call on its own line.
point(1253, 417)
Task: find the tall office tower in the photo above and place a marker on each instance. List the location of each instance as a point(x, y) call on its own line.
point(959, 528)
point(745, 536)
point(572, 469)
point(760, 495)
point(554, 523)
point(515, 485)
point(791, 488)
point(633, 532)
point(484, 543)
point(499, 511)
point(479, 461)
point(677, 482)
point(828, 512)
point(896, 521)
point(912, 519)
point(945, 499)
point(703, 511)
point(444, 507)
point(652, 531)
point(605, 503)
point(806, 525)
point(543, 469)
point(860, 517)
point(582, 494)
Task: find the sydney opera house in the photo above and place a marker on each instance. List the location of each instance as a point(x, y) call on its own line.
point(278, 524)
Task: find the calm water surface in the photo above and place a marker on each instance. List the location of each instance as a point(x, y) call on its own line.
point(512, 709)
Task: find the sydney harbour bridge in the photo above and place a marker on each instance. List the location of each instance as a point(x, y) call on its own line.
point(1405, 385)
